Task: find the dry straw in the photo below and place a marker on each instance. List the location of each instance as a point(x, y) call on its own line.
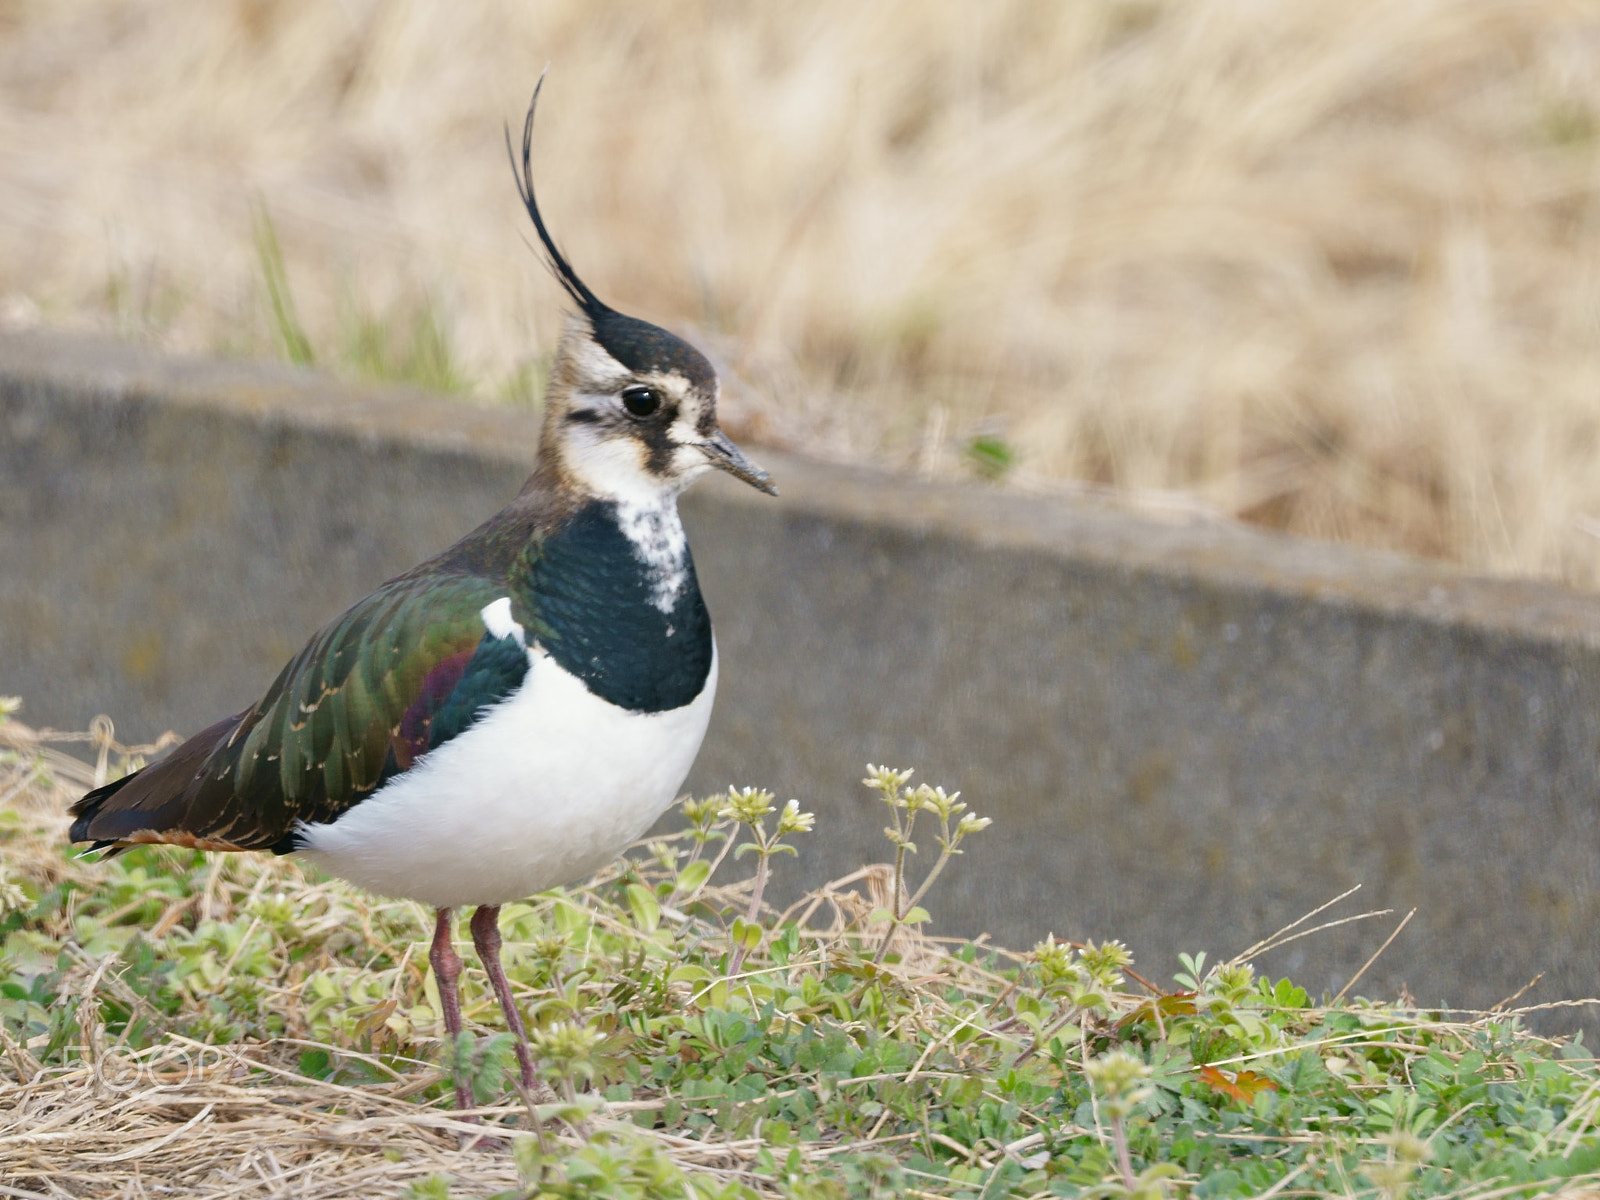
point(1325, 265)
point(227, 1116)
point(184, 1117)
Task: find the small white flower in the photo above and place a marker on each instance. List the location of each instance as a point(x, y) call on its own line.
point(12, 897)
point(792, 820)
point(748, 805)
point(886, 779)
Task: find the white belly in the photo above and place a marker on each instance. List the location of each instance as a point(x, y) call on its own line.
point(544, 789)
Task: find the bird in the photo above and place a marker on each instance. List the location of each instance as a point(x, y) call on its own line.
point(509, 715)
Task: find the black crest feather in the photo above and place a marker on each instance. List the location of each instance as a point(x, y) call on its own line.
point(637, 345)
point(594, 308)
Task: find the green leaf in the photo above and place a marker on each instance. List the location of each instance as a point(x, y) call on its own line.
point(690, 973)
point(746, 934)
point(296, 345)
point(490, 1063)
point(580, 1108)
point(693, 877)
point(530, 1159)
point(646, 908)
point(434, 1187)
point(314, 1064)
point(1581, 1162)
point(916, 916)
point(990, 456)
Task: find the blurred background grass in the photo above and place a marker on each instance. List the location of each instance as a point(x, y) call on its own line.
point(1330, 266)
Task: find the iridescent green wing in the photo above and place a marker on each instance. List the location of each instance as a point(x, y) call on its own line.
point(400, 672)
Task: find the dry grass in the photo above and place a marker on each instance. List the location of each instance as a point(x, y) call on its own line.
point(204, 1120)
point(224, 1121)
point(1327, 265)
point(132, 1083)
point(228, 1121)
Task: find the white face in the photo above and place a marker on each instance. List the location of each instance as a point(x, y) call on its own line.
point(640, 437)
point(631, 435)
point(633, 411)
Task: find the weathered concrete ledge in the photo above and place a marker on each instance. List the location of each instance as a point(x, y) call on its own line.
point(1188, 734)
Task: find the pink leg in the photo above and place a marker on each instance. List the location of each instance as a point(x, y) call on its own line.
point(446, 965)
point(486, 937)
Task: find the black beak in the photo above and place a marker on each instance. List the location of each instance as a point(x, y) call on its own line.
point(728, 457)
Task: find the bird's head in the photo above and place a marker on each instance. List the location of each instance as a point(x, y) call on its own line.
point(631, 410)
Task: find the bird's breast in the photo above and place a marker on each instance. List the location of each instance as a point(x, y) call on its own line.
point(543, 789)
point(618, 605)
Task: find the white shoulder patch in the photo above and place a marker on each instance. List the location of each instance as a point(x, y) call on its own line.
point(497, 619)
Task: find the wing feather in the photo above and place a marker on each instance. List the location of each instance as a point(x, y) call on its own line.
point(357, 704)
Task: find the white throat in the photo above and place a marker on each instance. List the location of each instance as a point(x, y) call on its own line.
point(659, 543)
point(647, 506)
point(612, 467)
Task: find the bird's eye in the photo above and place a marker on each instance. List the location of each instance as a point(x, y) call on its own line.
point(641, 401)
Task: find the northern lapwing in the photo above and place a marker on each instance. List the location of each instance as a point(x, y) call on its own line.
point(510, 715)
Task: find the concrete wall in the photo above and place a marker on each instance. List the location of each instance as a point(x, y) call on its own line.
point(1188, 734)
